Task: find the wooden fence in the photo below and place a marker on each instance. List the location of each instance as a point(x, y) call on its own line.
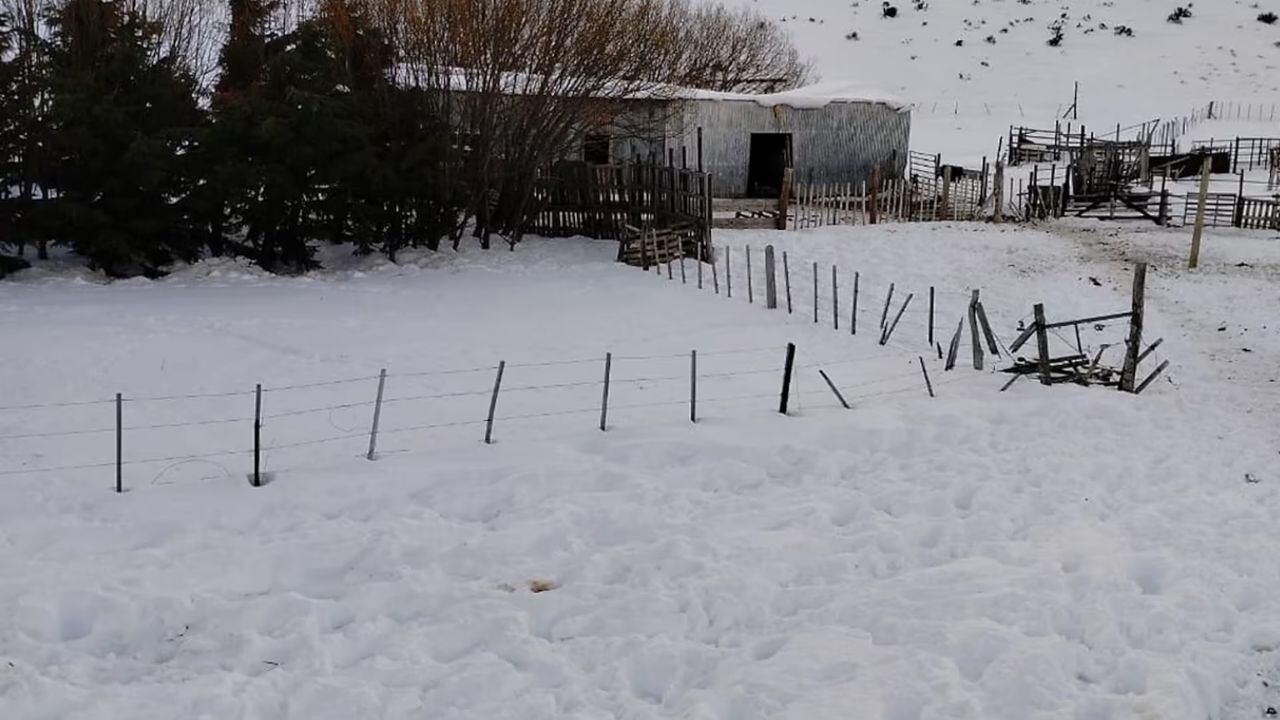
point(900, 200)
point(1258, 214)
point(1247, 154)
point(616, 201)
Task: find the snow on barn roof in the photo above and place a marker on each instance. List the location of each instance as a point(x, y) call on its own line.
point(810, 97)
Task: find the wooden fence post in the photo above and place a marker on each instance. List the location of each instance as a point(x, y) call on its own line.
point(973, 328)
point(1206, 166)
point(998, 187)
point(751, 298)
point(770, 279)
point(1133, 348)
point(1042, 345)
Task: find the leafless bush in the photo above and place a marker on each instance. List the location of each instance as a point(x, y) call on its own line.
point(738, 51)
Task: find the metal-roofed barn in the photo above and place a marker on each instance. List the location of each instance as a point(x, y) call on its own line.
point(827, 134)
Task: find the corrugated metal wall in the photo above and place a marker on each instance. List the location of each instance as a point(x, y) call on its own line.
point(840, 142)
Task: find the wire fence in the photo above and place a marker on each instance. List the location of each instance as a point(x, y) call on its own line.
point(252, 432)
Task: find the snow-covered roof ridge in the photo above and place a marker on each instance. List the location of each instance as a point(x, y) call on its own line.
point(809, 97)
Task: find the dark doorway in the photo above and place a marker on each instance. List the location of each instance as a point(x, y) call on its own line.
point(595, 149)
point(770, 156)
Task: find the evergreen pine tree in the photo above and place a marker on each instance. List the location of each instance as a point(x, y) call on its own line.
point(122, 116)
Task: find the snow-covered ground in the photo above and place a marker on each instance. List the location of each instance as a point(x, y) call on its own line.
point(1038, 553)
point(1060, 552)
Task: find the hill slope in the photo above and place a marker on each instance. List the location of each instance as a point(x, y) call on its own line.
point(973, 68)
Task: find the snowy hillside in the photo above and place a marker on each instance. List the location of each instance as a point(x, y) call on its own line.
point(974, 67)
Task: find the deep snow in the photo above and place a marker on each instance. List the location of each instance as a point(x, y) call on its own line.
point(1040, 553)
point(1033, 554)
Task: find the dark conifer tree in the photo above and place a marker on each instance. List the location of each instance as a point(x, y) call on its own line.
point(121, 120)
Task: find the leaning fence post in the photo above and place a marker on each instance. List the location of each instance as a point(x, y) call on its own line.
point(119, 443)
point(888, 331)
point(493, 403)
point(884, 316)
point(693, 386)
point(604, 398)
point(257, 435)
point(928, 385)
point(990, 335)
point(834, 389)
point(770, 279)
point(954, 349)
point(377, 415)
point(751, 296)
point(973, 330)
point(786, 377)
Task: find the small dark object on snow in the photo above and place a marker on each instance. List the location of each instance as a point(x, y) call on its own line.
point(1272, 711)
point(888, 10)
point(1243, 264)
point(1095, 281)
point(1222, 329)
point(1254, 480)
point(1177, 15)
point(1270, 19)
point(1246, 350)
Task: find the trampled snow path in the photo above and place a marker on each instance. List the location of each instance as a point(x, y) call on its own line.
point(1063, 553)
